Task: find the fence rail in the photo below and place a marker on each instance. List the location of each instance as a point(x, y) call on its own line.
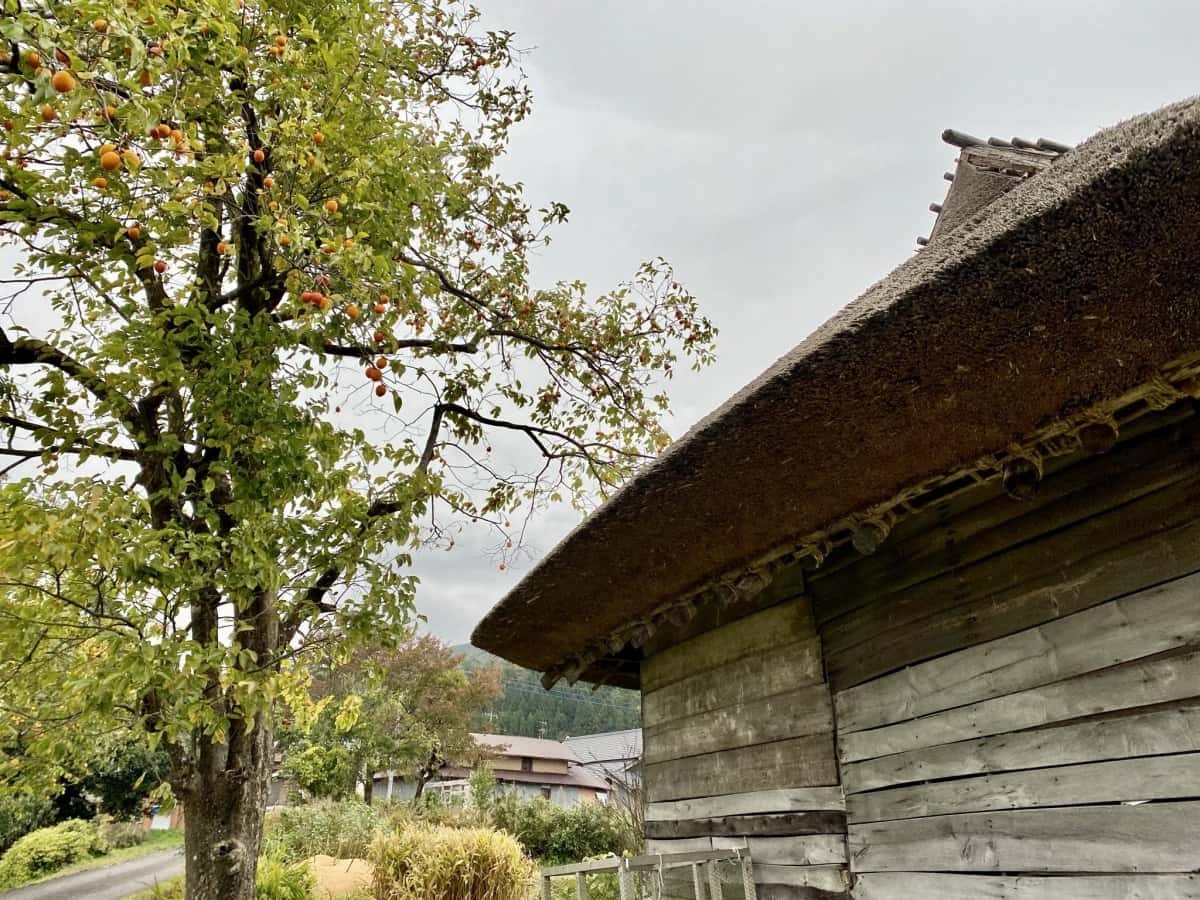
point(706, 875)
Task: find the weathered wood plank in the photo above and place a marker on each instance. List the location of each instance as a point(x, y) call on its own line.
point(1172, 728)
point(677, 845)
point(749, 803)
point(776, 824)
point(937, 886)
point(790, 892)
point(782, 624)
point(949, 537)
point(1152, 778)
point(1155, 539)
point(1153, 837)
point(810, 850)
point(752, 678)
point(1141, 624)
point(808, 710)
point(825, 878)
point(1141, 683)
point(787, 584)
point(798, 762)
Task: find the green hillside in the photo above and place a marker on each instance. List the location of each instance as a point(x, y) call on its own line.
point(528, 709)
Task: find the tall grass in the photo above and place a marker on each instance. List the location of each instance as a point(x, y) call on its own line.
point(343, 830)
point(418, 862)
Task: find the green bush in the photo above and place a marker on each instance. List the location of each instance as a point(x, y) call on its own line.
point(343, 830)
point(49, 849)
point(553, 835)
point(600, 885)
point(21, 814)
point(119, 835)
point(418, 862)
point(279, 880)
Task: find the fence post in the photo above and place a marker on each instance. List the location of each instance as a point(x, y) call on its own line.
point(546, 894)
point(625, 881)
point(581, 886)
point(714, 881)
point(748, 879)
point(698, 882)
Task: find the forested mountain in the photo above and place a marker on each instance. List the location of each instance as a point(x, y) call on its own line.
point(526, 708)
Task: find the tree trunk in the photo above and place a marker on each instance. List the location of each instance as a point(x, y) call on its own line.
point(368, 786)
point(224, 803)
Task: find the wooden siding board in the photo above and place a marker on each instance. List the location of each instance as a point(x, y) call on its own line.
point(956, 538)
point(774, 825)
point(827, 878)
point(749, 803)
point(1153, 837)
point(764, 674)
point(1141, 624)
point(1153, 778)
point(1156, 539)
point(1172, 728)
point(773, 627)
point(798, 762)
point(940, 886)
point(1134, 684)
point(808, 850)
point(808, 710)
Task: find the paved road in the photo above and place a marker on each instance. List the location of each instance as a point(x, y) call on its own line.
point(110, 883)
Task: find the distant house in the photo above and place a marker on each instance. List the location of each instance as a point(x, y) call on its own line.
point(615, 756)
point(532, 767)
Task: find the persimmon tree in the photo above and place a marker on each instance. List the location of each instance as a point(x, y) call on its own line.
point(266, 310)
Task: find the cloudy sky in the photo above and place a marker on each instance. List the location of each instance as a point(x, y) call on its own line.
point(783, 154)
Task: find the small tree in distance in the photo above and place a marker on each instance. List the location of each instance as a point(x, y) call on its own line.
point(407, 708)
point(228, 223)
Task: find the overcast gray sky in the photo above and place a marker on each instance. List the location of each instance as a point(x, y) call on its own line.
point(782, 154)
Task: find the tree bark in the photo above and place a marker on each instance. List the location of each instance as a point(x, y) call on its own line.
point(368, 786)
point(224, 802)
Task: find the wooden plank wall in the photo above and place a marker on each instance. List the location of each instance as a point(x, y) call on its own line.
point(1017, 689)
point(739, 752)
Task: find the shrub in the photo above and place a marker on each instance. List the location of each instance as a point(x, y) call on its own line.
point(418, 862)
point(49, 849)
point(554, 835)
point(600, 886)
point(119, 835)
point(343, 830)
point(279, 880)
point(21, 814)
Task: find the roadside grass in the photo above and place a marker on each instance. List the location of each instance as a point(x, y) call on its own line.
point(155, 841)
point(171, 889)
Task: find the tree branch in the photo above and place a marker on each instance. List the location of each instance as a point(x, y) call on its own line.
point(31, 351)
point(313, 599)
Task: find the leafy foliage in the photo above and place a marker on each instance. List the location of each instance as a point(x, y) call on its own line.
point(417, 862)
point(122, 771)
point(49, 849)
point(21, 813)
point(406, 708)
point(553, 835)
point(320, 771)
point(233, 217)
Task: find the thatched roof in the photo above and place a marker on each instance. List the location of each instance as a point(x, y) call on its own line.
point(1067, 291)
